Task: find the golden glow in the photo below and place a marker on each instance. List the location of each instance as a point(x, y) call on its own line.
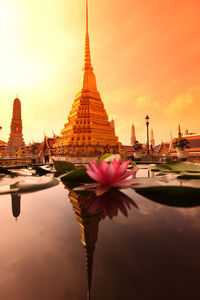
point(17, 69)
point(145, 58)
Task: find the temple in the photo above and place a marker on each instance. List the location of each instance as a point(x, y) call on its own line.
point(16, 146)
point(88, 130)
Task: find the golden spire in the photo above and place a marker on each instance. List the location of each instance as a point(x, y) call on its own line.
point(179, 131)
point(87, 60)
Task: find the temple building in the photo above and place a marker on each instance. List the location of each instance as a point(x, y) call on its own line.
point(3, 146)
point(16, 146)
point(192, 138)
point(88, 131)
point(163, 148)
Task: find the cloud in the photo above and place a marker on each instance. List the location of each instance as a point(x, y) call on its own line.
point(180, 105)
point(142, 102)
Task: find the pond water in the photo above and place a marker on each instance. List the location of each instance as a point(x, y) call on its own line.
point(52, 250)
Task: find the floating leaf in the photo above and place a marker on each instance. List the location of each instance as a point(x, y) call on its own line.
point(40, 171)
point(29, 186)
point(63, 166)
point(179, 167)
point(76, 178)
point(4, 171)
point(189, 176)
point(7, 172)
point(106, 155)
point(178, 196)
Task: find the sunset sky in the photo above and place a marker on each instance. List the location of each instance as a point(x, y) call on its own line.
point(145, 54)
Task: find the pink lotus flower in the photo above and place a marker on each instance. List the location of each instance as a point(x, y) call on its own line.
point(110, 175)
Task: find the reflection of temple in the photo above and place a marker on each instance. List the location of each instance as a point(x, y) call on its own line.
point(89, 230)
point(88, 131)
point(16, 146)
point(16, 201)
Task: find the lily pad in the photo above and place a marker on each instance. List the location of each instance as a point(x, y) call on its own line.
point(4, 171)
point(40, 171)
point(106, 155)
point(7, 172)
point(76, 178)
point(155, 170)
point(189, 176)
point(178, 196)
point(179, 167)
point(29, 186)
point(63, 166)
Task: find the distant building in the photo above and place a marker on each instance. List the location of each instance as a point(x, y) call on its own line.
point(128, 151)
point(46, 150)
point(194, 142)
point(2, 148)
point(162, 148)
point(16, 141)
point(133, 137)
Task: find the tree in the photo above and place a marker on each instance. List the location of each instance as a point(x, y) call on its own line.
point(181, 143)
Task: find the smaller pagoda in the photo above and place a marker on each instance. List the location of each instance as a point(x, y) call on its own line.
point(16, 146)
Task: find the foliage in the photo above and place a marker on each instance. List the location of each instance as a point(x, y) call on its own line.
point(179, 167)
point(40, 171)
point(4, 171)
point(137, 146)
point(63, 166)
point(76, 178)
point(29, 186)
point(181, 143)
point(177, 196)
point(188, 176)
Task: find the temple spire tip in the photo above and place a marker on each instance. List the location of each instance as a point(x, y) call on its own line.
point(86, 16)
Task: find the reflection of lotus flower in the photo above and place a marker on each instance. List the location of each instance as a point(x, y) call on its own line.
point(109, 175)
point(110, 203)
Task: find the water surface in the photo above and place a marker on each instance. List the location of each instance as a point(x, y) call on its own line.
point(50, 248)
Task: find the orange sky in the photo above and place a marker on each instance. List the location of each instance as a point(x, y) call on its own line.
point(145, 54)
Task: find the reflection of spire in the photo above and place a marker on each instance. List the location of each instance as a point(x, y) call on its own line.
point(89, 230)
point(16, 199)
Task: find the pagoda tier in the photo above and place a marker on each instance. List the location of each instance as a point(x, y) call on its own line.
point(16, 146)
point(88, 126)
